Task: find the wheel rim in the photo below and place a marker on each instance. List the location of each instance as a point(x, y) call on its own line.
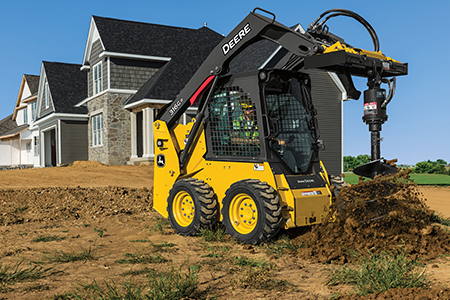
point(183, 209)
point(243, 213)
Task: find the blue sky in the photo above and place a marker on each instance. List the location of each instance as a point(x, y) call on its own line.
point(416, 32)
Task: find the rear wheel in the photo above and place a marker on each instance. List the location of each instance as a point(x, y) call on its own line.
point(191, 206)
point(251, 211)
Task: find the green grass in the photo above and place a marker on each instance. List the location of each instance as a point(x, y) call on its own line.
point(421, 179)
point(48, 238)
point(172, 285)
point(19, 273)
point(64, 257)
point(281, 246)
point(161, 226)
point(216, 234)
point(138, 258)
point(379, 272)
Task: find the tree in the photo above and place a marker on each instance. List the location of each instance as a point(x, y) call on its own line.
point(351, 162)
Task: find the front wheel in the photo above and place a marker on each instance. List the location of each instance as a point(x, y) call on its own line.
point(192, 205)
point(251, 211)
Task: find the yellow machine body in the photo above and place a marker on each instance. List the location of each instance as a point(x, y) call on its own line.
point(300, 207)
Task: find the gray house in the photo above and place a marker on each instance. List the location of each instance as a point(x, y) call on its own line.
point(147, 61)
point(60, 128)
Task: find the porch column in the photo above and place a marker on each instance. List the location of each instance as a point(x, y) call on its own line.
point(133, 136)
point(151, 151)
point(145, 132)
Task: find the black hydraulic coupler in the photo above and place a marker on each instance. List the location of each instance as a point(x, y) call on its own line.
point(375, 103)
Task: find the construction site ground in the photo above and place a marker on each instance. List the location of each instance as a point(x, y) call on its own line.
point(106, 212)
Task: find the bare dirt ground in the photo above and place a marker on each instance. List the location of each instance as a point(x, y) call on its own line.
point(104, 213)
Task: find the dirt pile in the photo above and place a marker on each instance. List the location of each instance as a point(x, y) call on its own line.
point(379, 215)
point(48, 204)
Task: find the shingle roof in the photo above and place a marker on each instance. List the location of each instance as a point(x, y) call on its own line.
point(147, 39)
point(187, 48)
point(8, 126)
point(68, 86)
point(33, 83)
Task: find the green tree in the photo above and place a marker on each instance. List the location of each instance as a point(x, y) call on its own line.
point(351, 162)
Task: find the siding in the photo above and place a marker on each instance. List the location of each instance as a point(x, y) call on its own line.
point(131, 74)
point(93, 60)
point(327, 100)
point(43, 110)
point(74, 141)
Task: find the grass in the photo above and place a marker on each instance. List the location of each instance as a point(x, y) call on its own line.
point(421, 179)
point(282, 246)
point(138, 258)
point(161, 226)
point(19, 273)
point(379, 272)
point(216, 234)
point(48, 238)
point(64, 257)
point(253, 263)
point(261, 279)
point(100, 231)
point(20, 209)
point(436, 218)
point(170, 285)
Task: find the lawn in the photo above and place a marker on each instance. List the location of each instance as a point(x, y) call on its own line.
point(421, 179)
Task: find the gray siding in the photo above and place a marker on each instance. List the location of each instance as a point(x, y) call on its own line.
point(131, 74)
point(327, 100)
point(74, 141)
point(43, 110)
point(93, 60)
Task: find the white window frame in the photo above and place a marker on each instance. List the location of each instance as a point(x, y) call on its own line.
point(97, 79)
point(36, 146)
point(25, 115)
point(47, 96)
point(97, 130)
point(33, 111)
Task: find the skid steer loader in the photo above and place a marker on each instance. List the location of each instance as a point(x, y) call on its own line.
point(250, 158)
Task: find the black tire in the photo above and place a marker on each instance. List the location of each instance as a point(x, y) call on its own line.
point(266, 217)
point(191, 205)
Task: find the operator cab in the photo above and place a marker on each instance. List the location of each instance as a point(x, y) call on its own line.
point(263, 116)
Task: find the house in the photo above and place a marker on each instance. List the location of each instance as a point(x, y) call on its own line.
point(16, 142)
point(60, 130)
point(133, 69)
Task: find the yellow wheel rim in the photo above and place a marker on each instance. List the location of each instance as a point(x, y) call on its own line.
point(183, 209)
point(243, 213)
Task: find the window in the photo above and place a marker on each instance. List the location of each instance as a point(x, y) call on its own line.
point(36, 146)
point(97, 130)
point(33, 111)
point(234, 126)
point(98, 86)
point(47, 96)
point(28, 145)
point(25, 115)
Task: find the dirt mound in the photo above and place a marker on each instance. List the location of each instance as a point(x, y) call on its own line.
point(86, 164)
point(46, 204)
point(379, 215)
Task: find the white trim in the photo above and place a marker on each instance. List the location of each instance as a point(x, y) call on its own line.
point(50, 118)
point(133, 56)
point(85, 68)
point(96, 112)
point(108, 65)
point(119, 91)
point(90, 40)
point(339, 85)
point(59, 141)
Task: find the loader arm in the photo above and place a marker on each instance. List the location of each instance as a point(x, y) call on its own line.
point(252, 29)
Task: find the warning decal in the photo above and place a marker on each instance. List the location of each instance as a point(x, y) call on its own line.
point(370, 108)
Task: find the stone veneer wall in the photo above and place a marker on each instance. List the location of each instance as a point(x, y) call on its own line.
point(116, 148)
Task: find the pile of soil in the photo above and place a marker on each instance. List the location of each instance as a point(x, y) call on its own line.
point(50, 204)
point(384, 214)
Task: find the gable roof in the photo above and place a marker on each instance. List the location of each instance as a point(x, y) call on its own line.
point(188, 51)
point(9, 128)
point(67, 86)
point(33, 83)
